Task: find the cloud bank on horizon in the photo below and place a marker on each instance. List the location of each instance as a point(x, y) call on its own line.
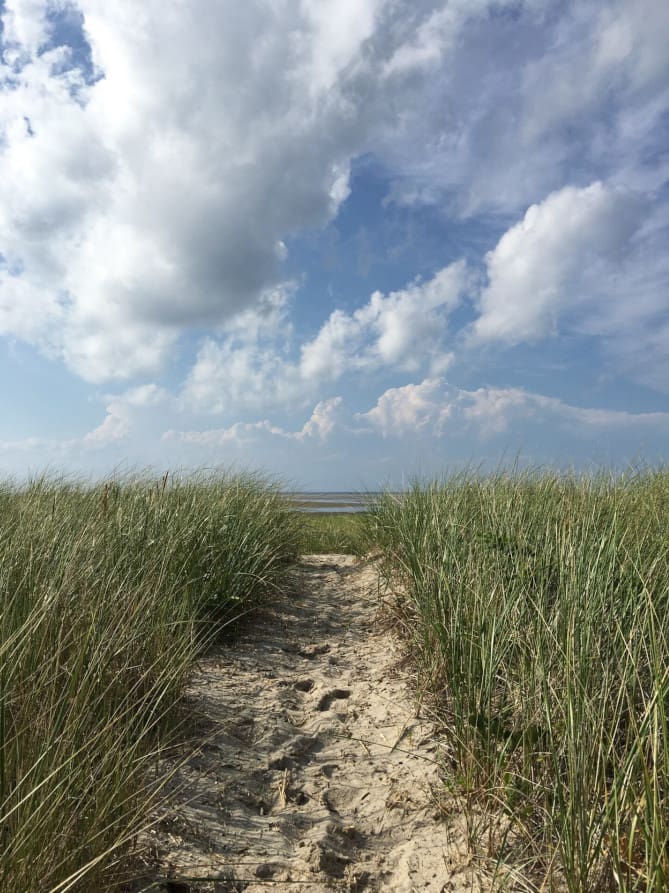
point(339, 239)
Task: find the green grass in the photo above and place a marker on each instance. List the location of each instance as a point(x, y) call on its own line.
point(324, 532)
point(538, 608)
point(107, 596)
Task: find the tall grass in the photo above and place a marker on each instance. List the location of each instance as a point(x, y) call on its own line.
point(107, 595)
point(538, 606)
point(332, 533)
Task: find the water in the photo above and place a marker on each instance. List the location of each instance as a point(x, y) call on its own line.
point(333, 503)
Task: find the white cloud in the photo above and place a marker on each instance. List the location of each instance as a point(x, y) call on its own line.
point(409, 409)
point(114, 427)
point(229, 376)
point(337, 30)
point(527, 96)
point(240, 434)
point(422, 425)
point(319, 426)
point(589, 262)
point(493, 410)
point(435, 408)
point(158, 197)
point(602, 49)
point(401, 330)
point(323, 421)
point(24, 26)
point(122, 414)
point(248, 366)
point(561, 255)
point(435, 36)
point(125, 417)
point(430, 409)
point(251, 366)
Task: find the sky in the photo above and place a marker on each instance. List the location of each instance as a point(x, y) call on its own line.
point(343, 242)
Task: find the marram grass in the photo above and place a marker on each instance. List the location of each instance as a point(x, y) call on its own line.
point(538, 607)
point(330, 532)
point(107, 596)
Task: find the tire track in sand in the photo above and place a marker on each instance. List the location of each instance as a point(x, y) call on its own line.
point(317, 773)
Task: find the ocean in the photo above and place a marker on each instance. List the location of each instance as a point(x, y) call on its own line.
point(332, 503)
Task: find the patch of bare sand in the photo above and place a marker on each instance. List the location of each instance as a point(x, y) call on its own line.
point(318, 773)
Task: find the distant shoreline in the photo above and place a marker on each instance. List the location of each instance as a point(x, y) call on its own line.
point(330, 502)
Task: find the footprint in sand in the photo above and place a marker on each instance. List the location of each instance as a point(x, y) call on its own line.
point(337, 694)
point(330, 797)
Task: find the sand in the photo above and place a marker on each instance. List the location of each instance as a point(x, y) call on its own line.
point(318, 771)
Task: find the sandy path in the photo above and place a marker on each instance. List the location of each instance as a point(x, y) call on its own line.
point(317, 773)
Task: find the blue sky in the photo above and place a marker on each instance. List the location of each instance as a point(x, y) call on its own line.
point(341, 241)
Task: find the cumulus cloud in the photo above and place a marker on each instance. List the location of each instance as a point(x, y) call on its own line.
point(422, 422)
point(319, 426)
point(24, 27)
point(125, 418)
point(156, 194)
point(553, 259)
point(155, 163)
point(406, 329)
point(401, 329)
point(228, 376)
point(239, 434)
point(121, 415)
point(495, 410)
point(435, 408)
point(490, 410)
point(585, 261)
point(409, 409)
point(150, 187)
point(323, 420)
point(150, 183)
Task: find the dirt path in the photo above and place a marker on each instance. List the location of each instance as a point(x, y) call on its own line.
point(318, 774)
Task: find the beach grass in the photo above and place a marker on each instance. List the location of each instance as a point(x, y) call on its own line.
point(537, 608)
point(108, 594)
point(326, 532)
